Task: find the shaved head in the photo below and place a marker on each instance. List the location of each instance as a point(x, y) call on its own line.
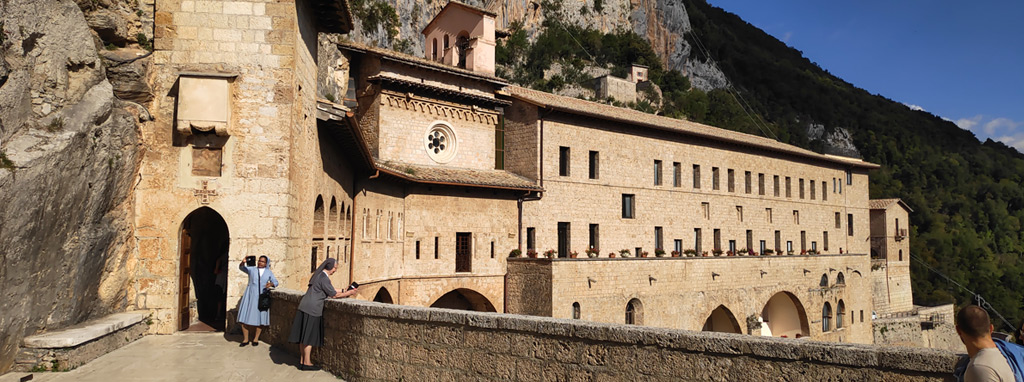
point(973, 321)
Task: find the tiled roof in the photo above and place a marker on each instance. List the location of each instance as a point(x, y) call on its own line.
point(881, 204)
point(420, 62)
point(634, 117)
point(451, 93)
point(457, 176)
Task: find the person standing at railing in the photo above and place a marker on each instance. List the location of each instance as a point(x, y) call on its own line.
point(308, 327)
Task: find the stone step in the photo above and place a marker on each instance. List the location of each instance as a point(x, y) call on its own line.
point(84, 332)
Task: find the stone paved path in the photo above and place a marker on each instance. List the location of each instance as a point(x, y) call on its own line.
point(186, 357)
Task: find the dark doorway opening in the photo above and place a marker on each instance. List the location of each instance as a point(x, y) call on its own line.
point(463, 252)
point(204, 243)
point(464, 299)
point(383, 296)
point(563, 239)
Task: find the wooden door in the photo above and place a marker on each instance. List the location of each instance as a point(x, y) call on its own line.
point(463, 252)
point(184, 276)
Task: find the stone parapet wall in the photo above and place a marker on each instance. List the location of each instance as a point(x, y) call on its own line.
point(64, 359)
point(370, 342)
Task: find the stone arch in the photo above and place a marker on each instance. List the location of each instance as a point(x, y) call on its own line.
point(464, 299)
point(635, 312)
point(318, 217)
point(784, 316)
point(204, 242)
point(840, 279)
point(576, 310)
point(332, 219)
point(840, 314)
point(722, 320)
point(383, 296)
point(433, 50)
point(462, 44)
point(824, 280)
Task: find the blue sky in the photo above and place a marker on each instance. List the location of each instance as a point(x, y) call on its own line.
point(960, 60)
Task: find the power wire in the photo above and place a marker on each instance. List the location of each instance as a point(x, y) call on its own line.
point(977, 297)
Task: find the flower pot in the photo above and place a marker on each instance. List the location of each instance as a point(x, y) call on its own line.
point(611, 255)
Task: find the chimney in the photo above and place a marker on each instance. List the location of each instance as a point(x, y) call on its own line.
point(461, 36)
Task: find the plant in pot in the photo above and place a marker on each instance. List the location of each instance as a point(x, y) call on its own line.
point(515, 253)
point(660, 252)
point(751, 253)
point(573, 254)
point(716, 252)
point(789, 252)
point(531, 253)
point(592, 252)
point(550, 253)
point(729, 253)
point(623, 253)
point(676, 254)
point(643, 254)
point(768, 252)
point(690, 252)
point(741, 252)
point(803, 252)
point(611, 255)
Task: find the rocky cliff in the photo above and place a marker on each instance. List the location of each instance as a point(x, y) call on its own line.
point(69, 158)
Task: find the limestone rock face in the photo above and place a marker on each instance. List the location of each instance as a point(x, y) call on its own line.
point(65, 209)
point(836, 140)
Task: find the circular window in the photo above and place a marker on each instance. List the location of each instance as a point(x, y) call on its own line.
point(440, 142)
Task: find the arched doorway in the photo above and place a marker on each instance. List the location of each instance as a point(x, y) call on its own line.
point(203, 246)
point(383, 296)
point(464, 299)
point(784, 316)
point(722, 320)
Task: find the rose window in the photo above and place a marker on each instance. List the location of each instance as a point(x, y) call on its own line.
point(440, 143)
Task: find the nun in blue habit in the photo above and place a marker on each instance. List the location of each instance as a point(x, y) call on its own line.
point(249, 315)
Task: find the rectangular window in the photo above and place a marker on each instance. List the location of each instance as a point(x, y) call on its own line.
point(849, 178)
point(775, 181)
point(750, 239)
point(696, 176)
point(861, 316)
point(747, 182)
point(714, 178)
point(732, 246)
point(628, 205)
point(768, 215)
point(801, 183)
point(796, 217)
point(838, 221)
point(760, 184)
point(677, 174)
point(595, 239)
point(731, 180)
point(718, 239)
point(659, 242)
point(849, 224)
point(763, 247)
point(813, 190)
point(492, 249)
point(463, 252)
point(814, 246)
point(778, 241)
point(803, 241)
point(824, 239)
point(531, 238)
point(564, 230)
point(705, 209)
point(499, 143)
point(789, 246)
point(563, 161)
point(739, 213)
point(417, 249)
point(789, 189)
point(696, 240)
point(679, 245)
point(824, 190)
point(657, 172)
point(595, 159)
point(437, 247)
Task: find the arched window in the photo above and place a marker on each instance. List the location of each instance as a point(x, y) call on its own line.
point(462, 44)
point(826, 317)
point(318, 218)
point(634, 312)
point(840, 279)
point(840, 312)
point(433, 51)
point(332, 220)
point(824, 280)
point(576, 310)
point(446, 44)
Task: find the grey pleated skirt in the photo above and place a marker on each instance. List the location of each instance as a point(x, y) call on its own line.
point(307, 330)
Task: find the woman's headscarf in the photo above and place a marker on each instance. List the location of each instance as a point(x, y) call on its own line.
point(327, 264)
point(264, 257)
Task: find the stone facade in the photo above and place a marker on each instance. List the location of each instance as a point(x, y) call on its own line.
point(375, 342)
point(890, 254)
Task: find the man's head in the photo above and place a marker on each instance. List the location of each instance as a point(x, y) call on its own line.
point(972, 321)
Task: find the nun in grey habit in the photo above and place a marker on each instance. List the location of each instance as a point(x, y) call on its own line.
point(308, 327)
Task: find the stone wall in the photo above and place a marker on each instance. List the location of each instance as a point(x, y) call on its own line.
point(380, 342)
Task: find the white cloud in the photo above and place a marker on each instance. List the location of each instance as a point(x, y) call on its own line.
point(786, 36)
point(914, 107)
point(1000, 124)
point(969, 123)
